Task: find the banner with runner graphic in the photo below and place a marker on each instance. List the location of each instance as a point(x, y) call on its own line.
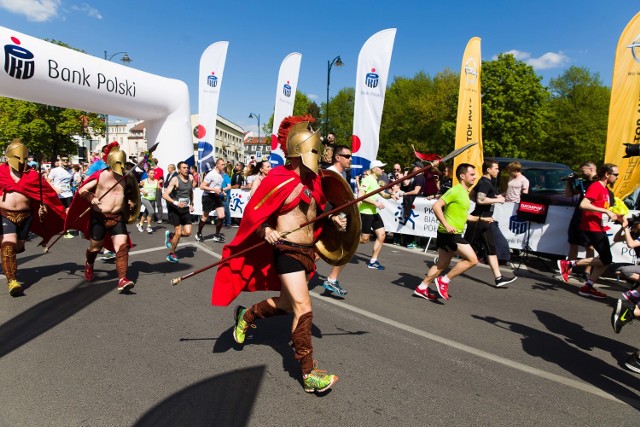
point(469, 119)
point(285, 100)
point(212, 64)
point(371, 85)
point(624, 114)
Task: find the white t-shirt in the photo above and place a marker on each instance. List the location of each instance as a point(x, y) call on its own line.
point(62, 179)
point(515, 187)
point(213, 179)
point(343, 174)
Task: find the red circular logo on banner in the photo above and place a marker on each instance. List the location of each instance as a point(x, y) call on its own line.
point(274, 142)
point(355, 144)
point(199, 131)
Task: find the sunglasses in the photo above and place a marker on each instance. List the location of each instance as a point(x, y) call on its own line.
point(346, 156)
point(615, 174)
point(396, 169)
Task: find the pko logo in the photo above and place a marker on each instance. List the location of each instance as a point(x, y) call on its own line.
point(517, 226)
point(372, 79)
point(212, 80)
point(286, 89)
point(634, 48)
point(18, 61)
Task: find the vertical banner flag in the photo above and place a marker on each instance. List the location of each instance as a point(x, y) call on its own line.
point(469, 120)
point(285, 98)
point(211, 71)
point(624, 110)
point(371, 84)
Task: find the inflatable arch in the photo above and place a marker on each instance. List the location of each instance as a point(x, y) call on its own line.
point(38, 71)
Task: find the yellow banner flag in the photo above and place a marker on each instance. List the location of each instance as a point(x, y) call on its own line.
point(624, 110)
point(469, 120)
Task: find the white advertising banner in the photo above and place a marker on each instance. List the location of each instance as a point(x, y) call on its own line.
point(285, 100)
point(38, 71)
point(371, 85)
point(211, 72)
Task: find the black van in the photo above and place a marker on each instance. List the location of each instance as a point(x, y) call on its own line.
point(544, 179)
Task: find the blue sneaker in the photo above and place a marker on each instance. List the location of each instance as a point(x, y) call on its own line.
point(375, 265)
point(172, 258)
point(412, 245)
point(334, 288)
point(167, 239)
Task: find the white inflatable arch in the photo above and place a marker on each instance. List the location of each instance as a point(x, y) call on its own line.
point(38, 71)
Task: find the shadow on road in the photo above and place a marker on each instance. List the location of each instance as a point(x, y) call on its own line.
point(570, 352)
point(224, 400)
point(48, 314)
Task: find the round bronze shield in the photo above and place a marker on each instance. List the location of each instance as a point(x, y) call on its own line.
point(334, 246)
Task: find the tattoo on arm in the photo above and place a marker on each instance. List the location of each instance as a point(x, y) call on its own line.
point(481, 197)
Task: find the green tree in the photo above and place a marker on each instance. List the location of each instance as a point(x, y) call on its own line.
point(46, 129)
point(341, 115)
point(578, 108)
point(514, 111)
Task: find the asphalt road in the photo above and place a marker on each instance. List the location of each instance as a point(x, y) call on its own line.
point(78, 354)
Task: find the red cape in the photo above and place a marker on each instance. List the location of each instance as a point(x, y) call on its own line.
point(29, 185)
point(78, 206)
point(255, 271)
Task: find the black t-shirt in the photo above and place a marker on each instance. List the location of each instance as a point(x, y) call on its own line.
point(237, 179)
point(485, 185)
point(418, 181)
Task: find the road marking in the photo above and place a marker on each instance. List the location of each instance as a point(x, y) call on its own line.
point(476, 352)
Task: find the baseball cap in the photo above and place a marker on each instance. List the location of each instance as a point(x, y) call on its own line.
point(376, 164)
point(417, 164)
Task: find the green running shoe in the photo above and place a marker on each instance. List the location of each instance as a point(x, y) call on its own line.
point(241, 326)
point(318, 380)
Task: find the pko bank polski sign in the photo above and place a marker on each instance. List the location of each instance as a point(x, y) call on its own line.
point(38, 71)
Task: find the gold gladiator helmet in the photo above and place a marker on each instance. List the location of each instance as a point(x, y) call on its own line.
point(16, 155)
point(116, 160)
point(303, 142)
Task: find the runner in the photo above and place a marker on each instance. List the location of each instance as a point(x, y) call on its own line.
point(179, 198)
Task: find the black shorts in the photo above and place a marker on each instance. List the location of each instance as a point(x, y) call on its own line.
point(575, 236)
point(480, 234)
point(178, 216)
point(600, 242)
point(22, 229)
point(210, 202)
point(66, 201)
point(449, 242)
point(371, 223)
point(98, 229)
point(290, 257)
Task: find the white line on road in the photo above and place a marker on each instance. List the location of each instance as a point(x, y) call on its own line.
point(476, 352)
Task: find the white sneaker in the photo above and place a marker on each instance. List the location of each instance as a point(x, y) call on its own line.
point(149, 230)
point(140, 228)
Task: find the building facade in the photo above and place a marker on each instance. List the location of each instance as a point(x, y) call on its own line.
point(256, 149)
point(229, 142)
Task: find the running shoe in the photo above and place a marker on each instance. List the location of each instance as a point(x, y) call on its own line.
point(159, 221)
point(412, 245)
point(68, 235)
point(140, 229)
point(633, 363)
point(318, 380)
point(108, 255)
point(443, 288)
point(199, 237)
point(629, 297)
point(622, 314)
point(124, 285)
point(88, 272)
point(172, 258)
point(149, 230)
point(375, 266)
point(218, 238)
point(590, 291)
point(425, 293)
point(167, 239)
point(503, 281)
point(15, 288)
point(334, 288)
point(565, 268)
point(241, 326)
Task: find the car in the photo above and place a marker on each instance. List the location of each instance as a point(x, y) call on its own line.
point(545, 179)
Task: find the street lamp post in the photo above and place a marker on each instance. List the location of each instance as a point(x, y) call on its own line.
point(125, 60)
point(256, 116)
point(337, 61)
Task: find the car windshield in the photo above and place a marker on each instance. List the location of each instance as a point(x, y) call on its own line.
point(546, 179)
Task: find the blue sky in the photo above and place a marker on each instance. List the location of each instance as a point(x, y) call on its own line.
point(167, 38)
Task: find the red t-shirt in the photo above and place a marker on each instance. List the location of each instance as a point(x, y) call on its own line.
point(599, 197)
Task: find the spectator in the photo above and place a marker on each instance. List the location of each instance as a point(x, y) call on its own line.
point(327, 154)
point(446, 182)
point(518, 183)
point(431, 183)
point(196, 177)
point(263, 167)
point(413, 190)
point(226, 187)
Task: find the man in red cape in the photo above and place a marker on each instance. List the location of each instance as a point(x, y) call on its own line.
point(110, 207)
point(27, 203)
point(286, 198)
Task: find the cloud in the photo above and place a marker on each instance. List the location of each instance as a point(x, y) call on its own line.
point(34, 10)
point(89, 10)
point(547, 61)
point(312, 96)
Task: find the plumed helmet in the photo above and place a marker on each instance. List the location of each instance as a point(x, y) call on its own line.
point(297, 139)
point(116, 160)
point(16, 154)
